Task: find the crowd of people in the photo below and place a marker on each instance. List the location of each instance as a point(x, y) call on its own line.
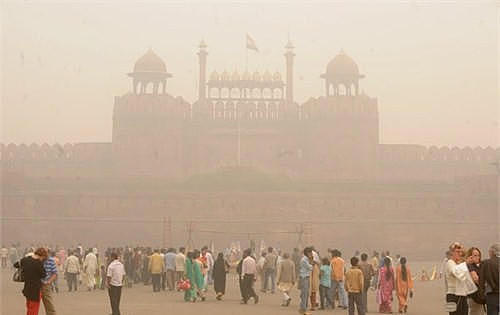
point(324, 281)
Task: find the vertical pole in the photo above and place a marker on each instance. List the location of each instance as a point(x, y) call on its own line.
point(239, 139)
point(246, 58)
point(164, 221)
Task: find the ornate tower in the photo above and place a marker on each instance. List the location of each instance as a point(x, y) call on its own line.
point(202, 84)
point(148, 125)
point(289, 71)
point(149, 69)
point(346, 121)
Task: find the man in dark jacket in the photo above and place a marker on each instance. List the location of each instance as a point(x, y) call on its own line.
point(488, 279)
point(33, 273)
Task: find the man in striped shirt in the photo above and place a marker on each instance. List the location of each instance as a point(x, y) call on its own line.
point(51, 270)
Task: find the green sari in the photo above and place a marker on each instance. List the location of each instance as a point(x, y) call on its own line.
point(189, 295)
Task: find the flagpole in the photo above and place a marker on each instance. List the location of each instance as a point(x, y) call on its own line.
point(239, 139)
point(238, 112)
point(246, 58)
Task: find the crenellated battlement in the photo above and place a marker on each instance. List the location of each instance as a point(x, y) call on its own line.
point(163, 104)
point(409, 152)
point(55, 152)
point(339, 105)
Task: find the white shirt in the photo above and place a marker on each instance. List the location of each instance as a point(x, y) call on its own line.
point(72, 264)
point(248, 267)
point(116, 273)
point(180, 261)
point(458, 279)
point(210, 261)
point(90, 263)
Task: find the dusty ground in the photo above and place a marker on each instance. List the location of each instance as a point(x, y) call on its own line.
point(140, 300)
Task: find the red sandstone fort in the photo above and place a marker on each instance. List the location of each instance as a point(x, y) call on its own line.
point(250, 120)
point(247, 119)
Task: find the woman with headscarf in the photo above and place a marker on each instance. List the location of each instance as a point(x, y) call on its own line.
point(385, 287)
point(219, 275)
point(404, 285)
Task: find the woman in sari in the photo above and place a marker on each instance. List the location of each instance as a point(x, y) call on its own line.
point(221, 267)
point(199, 278)
point(404, 285)
point(190, 294)
point(385, 287)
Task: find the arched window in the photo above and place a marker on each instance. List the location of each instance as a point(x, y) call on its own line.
point(342, 89)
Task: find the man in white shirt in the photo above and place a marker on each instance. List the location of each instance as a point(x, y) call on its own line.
point(248, 271)
point(115, 275)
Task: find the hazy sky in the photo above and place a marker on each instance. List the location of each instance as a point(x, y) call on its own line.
point(432, 66)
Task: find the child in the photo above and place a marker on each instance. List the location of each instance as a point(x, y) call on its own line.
point(354, 283)
point(325, 272)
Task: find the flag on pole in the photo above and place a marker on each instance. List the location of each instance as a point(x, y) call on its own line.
point(251, 43)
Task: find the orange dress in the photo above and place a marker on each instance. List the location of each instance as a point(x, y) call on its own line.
point(403, 287)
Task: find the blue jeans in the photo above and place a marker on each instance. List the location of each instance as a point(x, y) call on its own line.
point(270, 273)
point(304, 293)
point(338, 285)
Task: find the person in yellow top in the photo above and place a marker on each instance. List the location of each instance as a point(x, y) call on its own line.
point(156, 267)
point(354, 283)
point(404, 285)
point(338, 269)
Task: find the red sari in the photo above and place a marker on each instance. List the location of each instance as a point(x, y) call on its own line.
point(386, 288)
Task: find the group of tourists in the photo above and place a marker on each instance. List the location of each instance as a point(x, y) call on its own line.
point(329, 276)
point(324, 281)
point(471, 283)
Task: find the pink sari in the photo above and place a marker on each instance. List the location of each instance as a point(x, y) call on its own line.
point(386, 288)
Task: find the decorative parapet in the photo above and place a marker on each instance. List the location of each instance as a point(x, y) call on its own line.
point(409, 152)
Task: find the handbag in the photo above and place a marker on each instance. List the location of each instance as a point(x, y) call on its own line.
point(450, 307)
point(18, 275)
point(183, 284)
